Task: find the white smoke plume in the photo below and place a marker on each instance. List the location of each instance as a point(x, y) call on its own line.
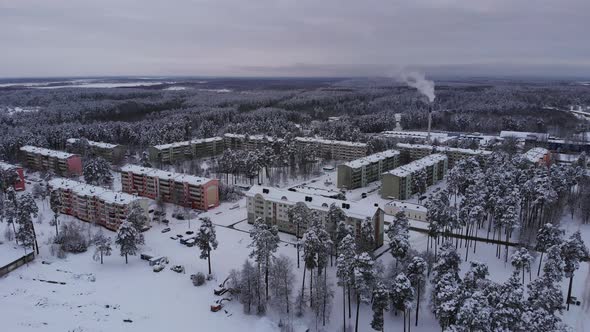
point(418, 80)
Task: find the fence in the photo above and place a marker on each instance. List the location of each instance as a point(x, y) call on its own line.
point(16, 264)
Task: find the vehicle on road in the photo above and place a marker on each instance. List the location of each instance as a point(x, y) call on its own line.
point(166, 230)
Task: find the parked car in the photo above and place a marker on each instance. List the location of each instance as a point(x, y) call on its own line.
point(160, 260)
point(151, 211)
point(364, 195)
point(189, 242)
point(145, 227)
point(165, 221)
point(158, 268)
point(166, 230)
point(189, 232)
point(177, 268)
point(146, 257)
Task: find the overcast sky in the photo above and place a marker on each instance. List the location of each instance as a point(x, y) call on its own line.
point(289, 37)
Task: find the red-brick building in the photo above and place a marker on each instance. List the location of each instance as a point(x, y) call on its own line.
point(62, 163)
point(19, 181)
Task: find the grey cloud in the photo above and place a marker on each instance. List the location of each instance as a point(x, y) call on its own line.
point(288, 37)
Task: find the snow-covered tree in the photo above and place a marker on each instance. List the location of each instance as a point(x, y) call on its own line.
point(103, 246)
point(300, 216)
point(251, 289)
point(97, 171)
point(55, 204)
point(10, 209)
point(366, 237)
point(281, 284)
point(381, 295)
point(364, 281)
point(416, 272)
point(128, 239)
point(316, 249)
point(345, 270)
point(547, 237)
point(399, 237)
point(137, 216)
point(521, 260)
point(206, 240)
point(573, 251)
point(402, 294)
point(334, 218)
point(27, 209)
point(265, 242)
point(508, 306)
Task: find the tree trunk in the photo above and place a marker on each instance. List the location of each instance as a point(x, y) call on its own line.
point(569, 292)
point(417, 303)
point(358, 305)
point(349, 305)
point(311, 287)
point(56, 231)
point(344, 307)
point(540, 262)
point(101, 257)
point(266, 278)
point(209, 260)
point(302, 288)
point(126, 261)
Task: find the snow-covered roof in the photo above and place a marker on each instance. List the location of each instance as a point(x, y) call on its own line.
point(462, 151)
point(372, 158)
point(87, 190)
point(534, 155)
point(6, 166)
point(523, 135)
point(417, 165)
point(328, 142)
point(414, 146)
point(355, 210)
point(253, 137)
point(315, 191)
point(416, 134)
point(101, 145)
point(187, 143)
point(47, 152)
point(161, 174)
point(407, 206)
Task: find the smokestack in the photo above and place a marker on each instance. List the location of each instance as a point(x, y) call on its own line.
point(429, 120)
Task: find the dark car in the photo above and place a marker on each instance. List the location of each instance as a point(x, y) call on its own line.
point(166, 230)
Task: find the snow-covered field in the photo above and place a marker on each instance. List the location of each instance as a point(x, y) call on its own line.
point(99, 297)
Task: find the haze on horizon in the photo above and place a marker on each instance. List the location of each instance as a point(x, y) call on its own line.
point(293, 37)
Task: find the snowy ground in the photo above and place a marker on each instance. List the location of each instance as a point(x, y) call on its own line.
point(99, 297)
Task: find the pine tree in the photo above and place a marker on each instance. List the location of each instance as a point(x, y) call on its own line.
point(522, 260)
point(402, 294)
point(345, 271)
point(416, 272)
point(364, 281)
point(399, 237)
point(366, 238)
point(380, 303)
point(97, 171)
point(137, 216)
point(11, 209)
point(265, 242)
point(128, 239)
point(547, 236)
point(573, 251)
point(334, 218)
point(281, 284)
point(103, 246)
point(300, 216)
point(26, 210)
point(55, 204)
point(206, 240)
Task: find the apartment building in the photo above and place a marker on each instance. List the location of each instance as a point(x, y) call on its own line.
point(248, 142)
point(360, 172)
point(19, 177)
point(108, 151)
point(62, 163)
point(339, 150)
point(95, 204)
point(411, 152)
point(196, 148)
point(180, 189)
point(398, 184)
point(272, 205)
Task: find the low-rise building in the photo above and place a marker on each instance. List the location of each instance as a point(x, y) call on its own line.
point(412, 152)
point(181, 189)
point(62, 163)
point(360, 172)
point(538, 156)
point(108, 151)
point(398, 183)
point(19, 177)
point(95, 204)
point(413, 211)
point(248, 142)
point(272, 205)
point(196, 148)
point(340, 150)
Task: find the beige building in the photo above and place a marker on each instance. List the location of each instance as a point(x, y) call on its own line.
point(339, 150)
point(95, 204)
point(197, 148)
point(111, 152)
point(413, 211)
point(358, 173)
point(180, 189)
point(248, 142)
point(411, 152)
point(398, 184)
point(41, 159)
point(272, 205)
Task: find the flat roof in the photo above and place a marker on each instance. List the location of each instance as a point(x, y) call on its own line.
point(101, 145)
point(47, 152)
point(372, 158)
point(330, 142)
point(407, 205)
point(416, 165)
point(186, 143)
point(6, 166)
point(356, 210)
point(84, 189)
point(535, 154)
point(161, 174)
point(415, 146)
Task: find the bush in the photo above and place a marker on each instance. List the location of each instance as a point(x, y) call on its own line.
point(229, 193)
point(199, 279)
point(71, 238)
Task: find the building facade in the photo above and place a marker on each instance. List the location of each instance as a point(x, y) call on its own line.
point(538, 156)
point(19, 177)
point(358, 173)
point(111, 152)
point(412, 211)
point(339, 150)
point(180, 189)
point(272, 205)
point(62, 163)
point(412, 152)
point(95, 204)
point(197, 148)
point(398, 183)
